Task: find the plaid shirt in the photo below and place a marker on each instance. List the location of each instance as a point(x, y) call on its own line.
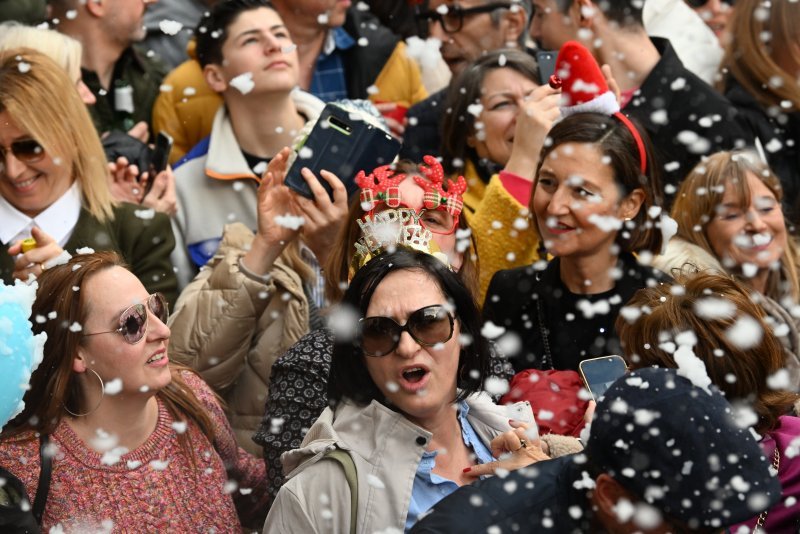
point(328, 82)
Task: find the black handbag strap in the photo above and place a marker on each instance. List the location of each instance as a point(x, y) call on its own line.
point(45, 473)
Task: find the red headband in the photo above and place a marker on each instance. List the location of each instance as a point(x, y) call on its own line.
point(636, 137)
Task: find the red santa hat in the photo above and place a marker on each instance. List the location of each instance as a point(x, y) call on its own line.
point(584, 89)
point(583, 86)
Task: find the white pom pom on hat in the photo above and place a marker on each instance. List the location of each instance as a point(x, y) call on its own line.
point(584, 88)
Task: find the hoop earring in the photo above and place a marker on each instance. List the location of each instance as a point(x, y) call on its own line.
point(102, 394)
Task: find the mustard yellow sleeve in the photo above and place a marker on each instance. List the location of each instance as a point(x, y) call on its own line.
point(504, 235)
point(400, 80)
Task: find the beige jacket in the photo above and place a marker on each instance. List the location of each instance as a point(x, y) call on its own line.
point(386, 449)
point(681, 254)
point(231, 326)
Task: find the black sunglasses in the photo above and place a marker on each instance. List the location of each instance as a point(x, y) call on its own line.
point(697, 4)
point(25, 150)
point(428, 326)
point(133, 321)
point(452, 20)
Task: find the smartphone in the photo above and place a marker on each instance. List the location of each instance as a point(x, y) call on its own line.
point(599, 373)
point(158, 159)
point(341, 142)
point(546, 59)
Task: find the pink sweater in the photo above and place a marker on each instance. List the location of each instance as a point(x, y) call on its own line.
point(154, 488)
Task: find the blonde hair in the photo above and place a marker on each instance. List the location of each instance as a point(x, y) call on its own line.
point(753, 59)
point(700, 195)
point(43, 102)
point(61, 48)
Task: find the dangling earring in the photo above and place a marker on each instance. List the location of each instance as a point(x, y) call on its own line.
point(102, 394)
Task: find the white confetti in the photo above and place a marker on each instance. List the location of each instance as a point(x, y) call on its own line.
point(24, 67)
point(112, 387)
point(179, 427)
point(711, 308)
point(243, 82)
point(146, 214)
point(375, 482)
point(745, 333)
point(75, 327)
point(292, 222)
point(170, 27)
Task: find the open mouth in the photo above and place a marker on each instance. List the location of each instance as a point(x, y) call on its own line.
point(414, 375)
point(557, 227)
point(24, 184)
point(754, 241)
point(414, 379)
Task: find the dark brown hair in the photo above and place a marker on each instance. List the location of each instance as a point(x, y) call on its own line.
point(616, 142)
point(459, 124)
point(666, 312)
point(53, 385)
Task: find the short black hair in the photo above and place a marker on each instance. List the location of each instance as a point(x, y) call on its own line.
point(349, 376)
point(626, 13)
point(212, 30)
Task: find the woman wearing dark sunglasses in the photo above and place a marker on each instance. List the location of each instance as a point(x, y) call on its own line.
point(406, 406)
point(54, 182)
point(137, 441)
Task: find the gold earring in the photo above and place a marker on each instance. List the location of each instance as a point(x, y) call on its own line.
point(102, 394)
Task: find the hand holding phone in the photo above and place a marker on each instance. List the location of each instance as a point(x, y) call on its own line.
point(341, 142)
point(158, 160)
point(599, 373)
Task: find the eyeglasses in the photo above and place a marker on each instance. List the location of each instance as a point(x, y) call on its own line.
point(25, 150)
point(133, 321)
point(438, 221)
point(697, 4)
point(428, 326)
point(452, 17)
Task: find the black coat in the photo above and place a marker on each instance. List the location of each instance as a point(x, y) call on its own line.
point(363, 64)
point(511, 302)
point(535, 499)
point(672, 104)
point(779, 136)
point(423, 134)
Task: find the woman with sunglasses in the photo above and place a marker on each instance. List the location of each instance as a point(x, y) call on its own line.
point(596, 201)
point(406, 408)
point(54, 183)
point(138, 443)
point(496, 125)
point(390, 195)
point(762, 80)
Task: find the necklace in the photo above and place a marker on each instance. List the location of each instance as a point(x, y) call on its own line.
point(776, 462)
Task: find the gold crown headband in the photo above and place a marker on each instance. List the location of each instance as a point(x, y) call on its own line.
point(386, 230)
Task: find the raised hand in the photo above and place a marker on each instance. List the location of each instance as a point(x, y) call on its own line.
point(125, 184)
point(279, 217)
point(534, 120)
point(162, 196)
point(324, 218)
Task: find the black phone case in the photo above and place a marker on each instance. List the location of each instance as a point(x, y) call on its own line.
point(546, 60)
point(343, 144)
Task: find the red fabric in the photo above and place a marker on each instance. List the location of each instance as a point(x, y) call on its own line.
point(551, 391)
point(582, 79)
point(517, 186)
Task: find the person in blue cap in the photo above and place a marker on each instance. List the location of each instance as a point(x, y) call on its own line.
point(664, 455)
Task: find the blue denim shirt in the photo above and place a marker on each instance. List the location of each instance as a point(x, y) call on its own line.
point(429, 488)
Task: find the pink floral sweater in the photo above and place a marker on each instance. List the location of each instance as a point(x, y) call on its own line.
point(155, 488)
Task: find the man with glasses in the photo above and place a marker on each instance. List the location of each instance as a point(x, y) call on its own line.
point(685, 117)
point(467, 29)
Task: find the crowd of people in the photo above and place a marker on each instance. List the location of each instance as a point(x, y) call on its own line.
point(401, 347)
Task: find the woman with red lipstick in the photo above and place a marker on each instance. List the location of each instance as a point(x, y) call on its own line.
point(730, 220)
point(406, 407)
point(138, 443)
point(596, 201)
point(54, 182)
